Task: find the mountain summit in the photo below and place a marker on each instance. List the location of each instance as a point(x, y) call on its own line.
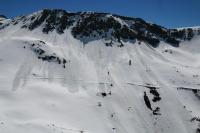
point(3, 16)
point(2, 19)
point(89, 72)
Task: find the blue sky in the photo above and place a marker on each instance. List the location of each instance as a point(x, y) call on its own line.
point(168, 13)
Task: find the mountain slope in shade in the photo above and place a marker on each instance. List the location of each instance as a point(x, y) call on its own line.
point(2, 19)
point(89, 72)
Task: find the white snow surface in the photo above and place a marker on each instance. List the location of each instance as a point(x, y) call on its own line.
point(43, 97)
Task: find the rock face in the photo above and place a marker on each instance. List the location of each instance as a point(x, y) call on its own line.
point(90, 26)
point(57, 20)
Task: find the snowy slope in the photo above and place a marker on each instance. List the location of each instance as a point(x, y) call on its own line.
point(53, 83)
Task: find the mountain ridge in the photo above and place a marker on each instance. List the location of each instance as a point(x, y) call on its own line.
point(93, 25)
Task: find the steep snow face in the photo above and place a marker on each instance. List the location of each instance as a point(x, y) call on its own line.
point(55, 83)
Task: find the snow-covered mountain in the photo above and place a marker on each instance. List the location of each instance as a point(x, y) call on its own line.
point(90, 72)
point(2, 19)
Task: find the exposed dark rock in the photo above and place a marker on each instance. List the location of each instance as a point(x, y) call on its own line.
point(198, 130)
point(153, 90)
point(173, 41)
point(129, 62)
point(99, 104)
point(52, 20)
point(154, 42)
point(157, 30)
point(39, 20)
point(147, 101)
point(185, 34)
point(156, 111)
point(109, 44)
point(168, 51)
point(195, 119)
point(103, 94)
point(41, 54)
point(89, 26)
point(121, 45)
point(178, 33)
